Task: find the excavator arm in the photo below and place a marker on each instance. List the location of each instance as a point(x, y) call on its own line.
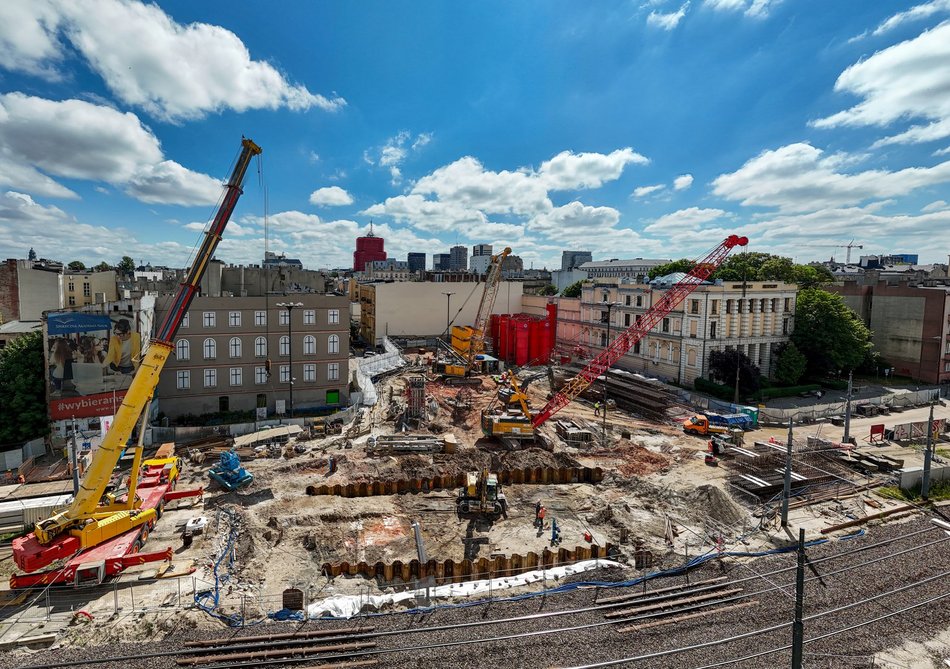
point(623, 343)
point(85, 505)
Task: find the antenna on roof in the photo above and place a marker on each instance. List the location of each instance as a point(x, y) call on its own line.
point(370, 229)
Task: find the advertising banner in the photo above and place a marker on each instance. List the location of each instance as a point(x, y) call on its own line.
point(91, 359)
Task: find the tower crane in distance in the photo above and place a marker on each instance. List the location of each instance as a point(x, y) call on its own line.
point(521, 424)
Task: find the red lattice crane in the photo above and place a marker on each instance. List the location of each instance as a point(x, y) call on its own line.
point(623, 343)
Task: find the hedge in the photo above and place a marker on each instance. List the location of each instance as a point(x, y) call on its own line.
point(787, 391)
point(714, 389)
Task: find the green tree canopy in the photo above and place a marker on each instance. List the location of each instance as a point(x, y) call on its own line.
point(549, 289)
point(829, 334)
point(790, 364)
point(722, 368)
point(126, 266)
point(681, 265)
point(76, 266)
point(23, 390)
point(103, 267)
point(574, 290)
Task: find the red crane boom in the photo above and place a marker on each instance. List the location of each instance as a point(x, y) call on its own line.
point(623, 343)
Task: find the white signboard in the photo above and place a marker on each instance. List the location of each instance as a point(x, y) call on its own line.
point(261, 413)
point(280, 407)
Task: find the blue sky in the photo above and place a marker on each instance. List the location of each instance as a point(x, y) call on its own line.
point(651, 128)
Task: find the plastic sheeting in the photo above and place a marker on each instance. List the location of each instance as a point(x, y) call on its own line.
point(347, 606)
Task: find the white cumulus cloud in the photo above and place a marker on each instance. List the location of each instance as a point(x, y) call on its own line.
point(643, 191)
point(569, 171)
point(683, 182)
point(751, 8)
point(669, 20)
point(330, 196)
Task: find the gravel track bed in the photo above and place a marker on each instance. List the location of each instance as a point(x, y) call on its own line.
point(575, 647)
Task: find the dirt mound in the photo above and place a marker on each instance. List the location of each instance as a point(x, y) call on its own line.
point(715, 503)
point(639, 461)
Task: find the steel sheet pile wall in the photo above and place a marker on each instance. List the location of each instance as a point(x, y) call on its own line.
point(523, 339)
point(529, 475)
point(450, 571)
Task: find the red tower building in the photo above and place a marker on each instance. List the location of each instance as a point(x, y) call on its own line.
point(368, 249)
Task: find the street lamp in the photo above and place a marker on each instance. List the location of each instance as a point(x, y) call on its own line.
point(448, 302)
point(609, 305)
point(290, 306)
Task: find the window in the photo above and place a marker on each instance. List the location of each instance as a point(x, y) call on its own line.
point(333, 397)
point(186, 320)
point(606, 295)
point(603, 338)
point(260, 318)
point(333, 371)
point(86, 290)
point(237, 376)
point(260, 347)
point(694, 306)
point(639, 300)
point(284, 318)
point(333, 316)
point(636, 348)
point(784, 326)
point(728, 306)
point(712, 330)
point(283, 347)
point(224, 403)
point(310, 372)
point(72, 287)
point(309, 317)
point(234, 319)
point(234, 347)
point(666, 325)
point(210, 349)
point(183, 349)
point(669, 352)
point(691, 358)
point(72, 301)
point(692, 329)
point(626, 300)
point(211, 378)
point(604, 316)
point(714, 307)
point(333, 344)
point(946, 366)
point(788, 304)
point(626, 320)
point(183, 381)
point(208, 319)
point(285, 373)
point(260, 375)
point(309, 345)
point(262, 401)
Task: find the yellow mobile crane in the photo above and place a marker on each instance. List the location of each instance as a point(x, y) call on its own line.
point(93, 517)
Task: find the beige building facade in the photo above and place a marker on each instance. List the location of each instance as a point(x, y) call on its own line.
point(82, 288)
point(421, 308)
point(755, 318)
point(220, 360)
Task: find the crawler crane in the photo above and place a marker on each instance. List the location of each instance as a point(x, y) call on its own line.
point(103, 533)
point(521, 424)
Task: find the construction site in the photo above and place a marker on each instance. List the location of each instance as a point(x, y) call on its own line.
point(563, 512)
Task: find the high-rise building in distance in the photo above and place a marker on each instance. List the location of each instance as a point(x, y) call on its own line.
point(458, 258)
point(417, 262)
point(574, 259)
point(368, 248)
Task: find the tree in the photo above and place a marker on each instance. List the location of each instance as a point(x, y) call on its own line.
point(574, 290)
point(103, 267)
point(722, 368)
point(126, 266)
point(790, 364)
point(829, 334)
point(681, 265)
point(23, 390)
point(549, 289)
point(76, 266)
point(753, 266)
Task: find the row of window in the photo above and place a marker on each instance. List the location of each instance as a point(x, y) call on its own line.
point(86, 289)
point(209, 319)
point(665, 325)
point(768, 305)
point(235, 347)
point(236, 375)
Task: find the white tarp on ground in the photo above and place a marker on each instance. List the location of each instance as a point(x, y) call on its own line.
point(347, 606)
point(367, 368)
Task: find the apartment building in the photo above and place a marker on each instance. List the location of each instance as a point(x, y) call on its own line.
point(755, 317)
point(82, 288)
point(633, 268)
point(222, 349)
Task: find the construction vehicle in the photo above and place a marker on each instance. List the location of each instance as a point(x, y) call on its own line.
point(711, 423)
point(499, 422)
point(229, 473)
point(468, 343)
point(481, 499)
point(111, 529)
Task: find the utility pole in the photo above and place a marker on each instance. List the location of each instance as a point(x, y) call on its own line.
point(928, 454)
point(290, 306)
point(606, 369)
point(448, 322)
point(735, 399)
point(787, 490)
point(74, 460)
point(847, 409)
point(798, 627)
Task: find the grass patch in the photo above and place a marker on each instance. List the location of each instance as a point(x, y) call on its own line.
point(939, 491)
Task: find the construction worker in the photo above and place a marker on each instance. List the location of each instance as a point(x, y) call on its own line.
point(541, 512)
point(555, 533)
point(596, 408)
point(537, 513)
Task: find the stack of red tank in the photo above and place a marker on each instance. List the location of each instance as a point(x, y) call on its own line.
point(524, 339)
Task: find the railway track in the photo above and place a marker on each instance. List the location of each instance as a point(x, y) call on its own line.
point(849, 581)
